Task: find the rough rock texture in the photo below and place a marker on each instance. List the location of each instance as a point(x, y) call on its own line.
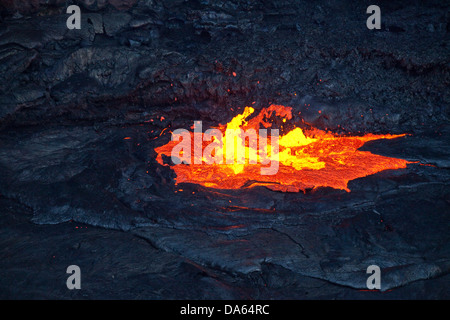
point(74, 191)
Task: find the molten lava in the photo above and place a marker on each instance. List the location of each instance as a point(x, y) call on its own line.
point(306, 159)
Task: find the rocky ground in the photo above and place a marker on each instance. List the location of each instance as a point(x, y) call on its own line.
point(74, 191)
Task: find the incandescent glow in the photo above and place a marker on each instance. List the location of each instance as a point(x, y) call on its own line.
point(305, 159)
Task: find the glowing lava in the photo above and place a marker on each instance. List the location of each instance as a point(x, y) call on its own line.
point(306, 159)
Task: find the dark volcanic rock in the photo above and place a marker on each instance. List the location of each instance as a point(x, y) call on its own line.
point(81, 112)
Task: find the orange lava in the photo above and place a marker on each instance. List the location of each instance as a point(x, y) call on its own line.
point(307, 158)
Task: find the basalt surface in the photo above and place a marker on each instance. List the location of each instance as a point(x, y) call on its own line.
point(81, 112)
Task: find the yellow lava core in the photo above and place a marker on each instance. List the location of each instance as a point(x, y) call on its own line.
point(307, 159)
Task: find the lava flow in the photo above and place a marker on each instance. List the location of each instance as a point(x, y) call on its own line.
point(305, 159)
